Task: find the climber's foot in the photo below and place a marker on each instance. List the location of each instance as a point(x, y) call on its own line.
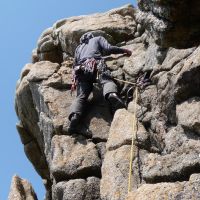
point(85, 132)
point(115, 102)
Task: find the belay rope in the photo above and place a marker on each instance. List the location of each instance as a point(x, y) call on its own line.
point(134, 132)
point(141, 83)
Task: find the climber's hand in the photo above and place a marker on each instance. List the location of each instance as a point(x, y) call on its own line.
point(127, 52)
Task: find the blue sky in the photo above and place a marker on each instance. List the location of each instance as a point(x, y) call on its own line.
point(21, 24)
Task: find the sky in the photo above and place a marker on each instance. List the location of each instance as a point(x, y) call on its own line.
point(21, 23)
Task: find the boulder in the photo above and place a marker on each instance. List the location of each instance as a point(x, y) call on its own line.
point(77, 189)
point(168, 25)
point(74, 157)
point(21, 189)
point(121, 131)
point(117, 25)
point(179, 190)
point(188, 114)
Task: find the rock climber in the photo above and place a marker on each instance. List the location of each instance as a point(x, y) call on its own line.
point(88, 64)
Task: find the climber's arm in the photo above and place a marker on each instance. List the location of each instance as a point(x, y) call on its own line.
point(106, 46)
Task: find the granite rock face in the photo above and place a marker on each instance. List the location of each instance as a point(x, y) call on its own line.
point(171, 23)
point(21, 190)
point(170, 191)
point(166, 146)
point(116, 25)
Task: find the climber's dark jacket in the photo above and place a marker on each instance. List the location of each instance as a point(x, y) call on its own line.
point(92, 47)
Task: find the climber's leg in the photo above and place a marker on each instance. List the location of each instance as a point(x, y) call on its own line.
point(78, 106)
point(110, 94)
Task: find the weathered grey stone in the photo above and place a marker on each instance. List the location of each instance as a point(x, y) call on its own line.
point(47, 128)
point(180, 190)
point(134, 64)
point(168, 25)
point(24, 135)
point(98, 119)
point(116, 25)
point(123, 26)
point(101, 147)
point(174, 139)
point(121, 131)
point(46, 44)
point(114, 180)
point(42, 70)
point(175, 56)
point(48, 47)
point(26, 70)
point(115, 171)
point(21, 189)
point(54, 103)
point(188, 114)
point(54, 81)
point(55, 56)
point(74, 157)
point(118, 74)
point(26, 110)
point(115, 62)
point(46, 32)
point(151, 60)
point(186, 81)
point(37, 158)
point(178, 165)
point(34, 57)
point(20, 102)
point(66, 73)
point(78, 189)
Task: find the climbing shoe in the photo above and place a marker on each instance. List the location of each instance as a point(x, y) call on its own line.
point(73, 124)
point(74, 121)
point(115, 102)
point(85, 132)
point(74, 127)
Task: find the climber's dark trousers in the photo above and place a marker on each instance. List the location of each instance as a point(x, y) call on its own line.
point(83, 91)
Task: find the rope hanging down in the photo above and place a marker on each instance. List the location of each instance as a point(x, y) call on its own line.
point(134, 130)
point(142, 82)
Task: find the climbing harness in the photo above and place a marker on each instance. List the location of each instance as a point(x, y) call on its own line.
point(88, 68)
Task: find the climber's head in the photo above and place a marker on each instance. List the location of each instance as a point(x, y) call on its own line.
point(86, 37)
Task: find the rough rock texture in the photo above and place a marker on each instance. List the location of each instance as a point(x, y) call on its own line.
point(78, 189)
point(21, 189)
point(166, 145)
point(74, 158)
point(171, 23)
point(171, 191)
point(59, 42)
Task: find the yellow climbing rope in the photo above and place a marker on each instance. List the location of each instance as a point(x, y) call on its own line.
point(134, 131)
point(128, 82)
point(133, 138)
